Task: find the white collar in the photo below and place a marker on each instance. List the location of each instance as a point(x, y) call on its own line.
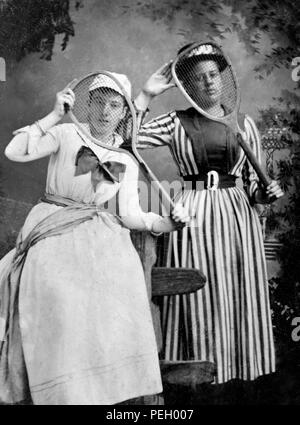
point(117, 140)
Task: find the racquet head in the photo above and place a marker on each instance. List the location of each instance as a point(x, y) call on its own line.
point(103, 110)
point(205, 76)
point(104, 113)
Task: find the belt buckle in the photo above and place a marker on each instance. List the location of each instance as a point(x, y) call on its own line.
point(212, 180)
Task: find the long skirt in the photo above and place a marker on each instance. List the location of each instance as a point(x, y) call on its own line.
point(228, 322)
point(85, 319)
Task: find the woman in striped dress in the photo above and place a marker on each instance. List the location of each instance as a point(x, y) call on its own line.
point(229, 321)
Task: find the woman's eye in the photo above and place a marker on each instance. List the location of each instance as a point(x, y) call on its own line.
point(97, 104)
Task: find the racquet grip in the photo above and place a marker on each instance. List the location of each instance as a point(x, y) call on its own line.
point(66, 107)
point(253, 161)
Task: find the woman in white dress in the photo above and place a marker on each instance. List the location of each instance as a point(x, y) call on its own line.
point(75, 321)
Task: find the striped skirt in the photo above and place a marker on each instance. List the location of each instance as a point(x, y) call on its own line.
point(228, 322)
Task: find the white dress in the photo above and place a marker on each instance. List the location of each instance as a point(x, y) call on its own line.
point(85, 318)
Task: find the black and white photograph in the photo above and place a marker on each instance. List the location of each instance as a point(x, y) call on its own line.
point(150, 205)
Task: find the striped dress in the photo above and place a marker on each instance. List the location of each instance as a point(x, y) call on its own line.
point(228, 322)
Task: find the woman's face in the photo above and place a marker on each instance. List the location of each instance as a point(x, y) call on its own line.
point(106, 110)
point(205, 83)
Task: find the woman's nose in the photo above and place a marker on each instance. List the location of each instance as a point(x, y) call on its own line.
point(208, 80)
point(106, 109)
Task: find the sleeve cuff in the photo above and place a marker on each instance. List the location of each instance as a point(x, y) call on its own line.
point(149, 219)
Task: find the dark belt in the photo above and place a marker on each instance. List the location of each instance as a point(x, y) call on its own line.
point(61, 201)
point(210, 181)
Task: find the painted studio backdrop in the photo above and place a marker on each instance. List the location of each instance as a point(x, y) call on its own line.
point(44, 44)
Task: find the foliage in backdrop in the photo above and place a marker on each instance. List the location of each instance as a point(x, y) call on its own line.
point(30, 26)
point(251, 20)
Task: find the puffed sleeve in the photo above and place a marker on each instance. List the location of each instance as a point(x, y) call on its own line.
point(37, 144)
point(157, 132)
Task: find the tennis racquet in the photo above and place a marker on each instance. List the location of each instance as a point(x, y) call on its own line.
point(104, 113)
point(221, 93)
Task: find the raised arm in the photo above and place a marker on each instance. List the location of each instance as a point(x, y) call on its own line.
point(159, 131)
point(33, 142)
point(157, 83)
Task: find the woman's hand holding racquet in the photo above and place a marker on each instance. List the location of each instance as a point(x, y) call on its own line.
point(64, 101)
point(270, 194)
point(179, 215)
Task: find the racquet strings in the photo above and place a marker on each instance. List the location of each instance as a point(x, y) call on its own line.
point(100, 110)
point(195, 83)
point(192, 70)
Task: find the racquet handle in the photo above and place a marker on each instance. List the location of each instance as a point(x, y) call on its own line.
point(166, 200)
point(66, 107)
point(253, 161)
point(71, 85)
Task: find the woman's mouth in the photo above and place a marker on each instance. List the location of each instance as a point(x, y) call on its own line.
point(211, 91)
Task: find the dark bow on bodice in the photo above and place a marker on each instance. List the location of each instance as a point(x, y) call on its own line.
point(86, 161)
